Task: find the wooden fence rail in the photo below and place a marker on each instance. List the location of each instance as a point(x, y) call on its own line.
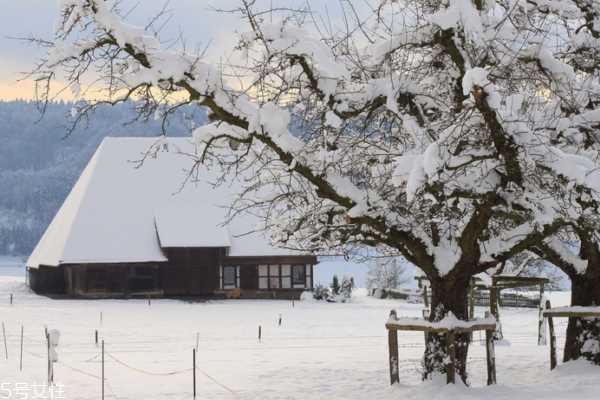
point(564, 312)
point(394, 325)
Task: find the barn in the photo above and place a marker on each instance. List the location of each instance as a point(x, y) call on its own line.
point(134, 226)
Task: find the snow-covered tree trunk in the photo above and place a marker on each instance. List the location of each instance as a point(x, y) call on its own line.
point(583, 334)
point(447, 296)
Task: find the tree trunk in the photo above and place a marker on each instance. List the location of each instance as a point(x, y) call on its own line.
point(583, 334)
point(447, 295)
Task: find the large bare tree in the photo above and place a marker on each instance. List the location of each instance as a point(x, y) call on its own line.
point(451, 132)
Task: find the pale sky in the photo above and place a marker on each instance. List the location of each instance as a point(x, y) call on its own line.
point(193, 18)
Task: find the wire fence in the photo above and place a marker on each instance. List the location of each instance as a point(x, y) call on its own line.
point(119, 348)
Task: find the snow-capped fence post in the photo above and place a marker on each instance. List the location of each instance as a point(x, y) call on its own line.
point(490, 354)
point(4, 336)
point(279, 320)
point(96, 337)
point(494, 308)
point(259, 333)
point(52, 338)
point(393, 351)
point(11, 299)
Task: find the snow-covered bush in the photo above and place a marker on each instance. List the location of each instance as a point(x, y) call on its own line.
point(321, 292)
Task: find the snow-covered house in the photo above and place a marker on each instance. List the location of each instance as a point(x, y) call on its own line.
point(127, 230)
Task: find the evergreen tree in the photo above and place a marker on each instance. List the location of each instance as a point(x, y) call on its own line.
point(335, 285)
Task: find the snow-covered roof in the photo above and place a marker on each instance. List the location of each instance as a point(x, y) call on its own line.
point(119, 211)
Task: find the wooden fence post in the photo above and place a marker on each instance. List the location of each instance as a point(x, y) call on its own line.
point(4, 335)
point(490, 355)
point(541, 326)
point(472, 300)
point(451, 350)
point(393, 351)
point(553, 361)
point(259, 333)
point(21, 358)
point(494, 308)
point(425, 296)
point(102, 376)
point(194, 363)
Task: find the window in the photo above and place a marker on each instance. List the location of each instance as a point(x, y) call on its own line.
point(230, 277)
point(283, 276)
point(263, 276)
point(299, 275)
point(286, 276)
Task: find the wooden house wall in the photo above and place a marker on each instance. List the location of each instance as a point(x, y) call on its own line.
point(189, 272)
point(50, 280)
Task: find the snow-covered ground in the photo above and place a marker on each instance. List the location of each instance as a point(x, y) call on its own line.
point(321, 351)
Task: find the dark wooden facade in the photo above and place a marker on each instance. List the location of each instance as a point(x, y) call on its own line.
point(197, 272)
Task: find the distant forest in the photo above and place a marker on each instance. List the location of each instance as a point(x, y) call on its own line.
point(39, 162)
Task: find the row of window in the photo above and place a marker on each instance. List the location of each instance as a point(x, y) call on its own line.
point(273, 276)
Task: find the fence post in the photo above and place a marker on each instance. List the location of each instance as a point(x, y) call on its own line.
point(541, 325)
point(393, 351)
point(194, 363)
point(494, 308)
point(490, 354)
point(259, 333)
point(11, 299)
point(21, 358)
point(553, 361)
point(4, 335)
point(49, 361)
point(472, 300)
point(96, 337)
point(102, 376)
point(451, 350)
point(425, 297)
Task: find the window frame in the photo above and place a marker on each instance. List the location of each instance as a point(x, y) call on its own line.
point(236, 277)
point(298, 282)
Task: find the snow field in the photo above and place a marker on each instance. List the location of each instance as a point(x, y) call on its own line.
point(321, 351)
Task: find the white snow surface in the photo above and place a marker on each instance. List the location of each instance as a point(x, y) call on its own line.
point(449, 322)
point(117, 206)
point(321, 351)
